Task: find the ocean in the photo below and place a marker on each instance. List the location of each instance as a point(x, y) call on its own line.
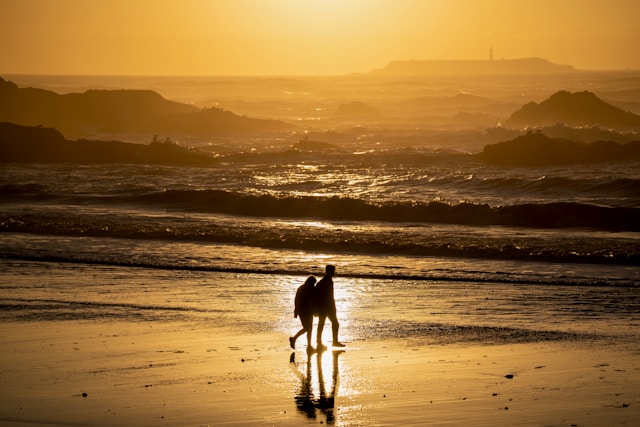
point(442, 219)
point(412, 211)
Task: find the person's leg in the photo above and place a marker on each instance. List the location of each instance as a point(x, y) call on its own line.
point(307, 322)
point(321, 320)
point(335, 325)
point(307, 326)
point(292, 340)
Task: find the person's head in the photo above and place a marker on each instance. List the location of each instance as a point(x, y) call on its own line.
point(311, 280)
point(330, 270)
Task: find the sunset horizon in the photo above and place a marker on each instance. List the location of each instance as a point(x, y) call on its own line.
point(358, 73)
point(309, 38)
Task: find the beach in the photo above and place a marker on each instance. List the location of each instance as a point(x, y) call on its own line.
point(179, 376)
point(172, 172)
point(71, 355)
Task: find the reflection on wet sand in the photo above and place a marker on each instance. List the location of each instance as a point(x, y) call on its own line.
point(312, 399)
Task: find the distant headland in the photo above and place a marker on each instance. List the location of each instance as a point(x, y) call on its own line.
point(121, 111)
point(472, 67)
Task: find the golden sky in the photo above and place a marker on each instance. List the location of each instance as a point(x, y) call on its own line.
point(307, 37)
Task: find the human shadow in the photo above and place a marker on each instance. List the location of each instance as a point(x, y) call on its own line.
point(322, 404)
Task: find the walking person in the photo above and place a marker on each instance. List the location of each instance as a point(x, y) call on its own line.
point(326, 307)
point(304, 308)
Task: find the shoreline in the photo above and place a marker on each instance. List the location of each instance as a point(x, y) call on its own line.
point(176, 374)
point(152, 347)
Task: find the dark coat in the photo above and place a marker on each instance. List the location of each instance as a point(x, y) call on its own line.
point(305, 300)
point(325, 302)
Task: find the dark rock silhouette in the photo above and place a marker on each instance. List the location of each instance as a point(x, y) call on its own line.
point(537, 149)
point(101, 109)
point(26, 144)
point(470, 67)
point(572, 109)
point(119, 111)
point(584, 134)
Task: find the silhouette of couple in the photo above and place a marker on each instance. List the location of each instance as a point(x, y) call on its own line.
point(316, 299)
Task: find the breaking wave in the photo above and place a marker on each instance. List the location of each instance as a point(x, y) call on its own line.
point(539, 215)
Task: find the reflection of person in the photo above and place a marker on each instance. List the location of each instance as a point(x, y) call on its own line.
point(304, 308)
point(326, 307)
point(325, 402)
point(304, 398)
point(306, 401)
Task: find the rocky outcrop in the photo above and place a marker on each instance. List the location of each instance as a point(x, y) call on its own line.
point(537, 149)
point(26, 144)
point(572, 109)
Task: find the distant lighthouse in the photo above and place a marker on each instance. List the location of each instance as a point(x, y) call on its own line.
point(491, 53)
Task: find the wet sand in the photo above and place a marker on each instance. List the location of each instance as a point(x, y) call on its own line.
point(114, 373)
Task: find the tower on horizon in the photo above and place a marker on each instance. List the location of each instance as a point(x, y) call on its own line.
point(491, 53)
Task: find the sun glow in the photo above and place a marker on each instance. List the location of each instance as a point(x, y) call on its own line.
point(322, 12)
point(309, 37)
